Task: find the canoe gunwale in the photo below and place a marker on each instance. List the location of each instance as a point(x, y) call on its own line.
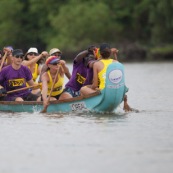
point(79, 98)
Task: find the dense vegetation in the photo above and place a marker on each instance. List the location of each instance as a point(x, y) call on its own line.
point(140, 29)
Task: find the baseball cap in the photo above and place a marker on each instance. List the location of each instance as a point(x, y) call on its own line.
point(17, 52)
point(105, 50)
point(10, 47)
point(104, 46)
point(52, 60)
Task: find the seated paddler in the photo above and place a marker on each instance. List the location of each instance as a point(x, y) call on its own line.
point(99, 73)
point(14, 78)
point(53, 77)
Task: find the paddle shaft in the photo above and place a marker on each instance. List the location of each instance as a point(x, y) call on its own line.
point(21, 89)
point(3, 60)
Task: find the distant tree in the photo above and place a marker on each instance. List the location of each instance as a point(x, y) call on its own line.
point(141, 26)
point(161, 19)
point(78, 25)
point(40, 12)
point(72, 25)
point(10, 22)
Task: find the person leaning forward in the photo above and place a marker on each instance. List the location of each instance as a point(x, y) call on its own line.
point(15, 76)
point(99, 70)
point(79, 73)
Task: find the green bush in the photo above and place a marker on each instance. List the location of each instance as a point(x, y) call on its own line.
point(161, 52)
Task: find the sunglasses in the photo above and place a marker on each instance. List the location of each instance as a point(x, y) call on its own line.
point(32, 53)
point(56, 54)
point(19, 56)
point(55, 63)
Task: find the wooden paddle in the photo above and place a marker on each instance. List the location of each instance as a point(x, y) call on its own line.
point(25, 88)
point(48, 100)
point(3, 60)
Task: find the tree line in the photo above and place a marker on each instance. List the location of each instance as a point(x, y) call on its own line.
point(140, 29)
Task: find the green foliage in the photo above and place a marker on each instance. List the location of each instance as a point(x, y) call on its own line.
point(161, 19)
point(9, 22)
point(84, 24)
point(161, 52)
point(162, 49)
point(40, 11)
point(72, 25)
point(140, 21)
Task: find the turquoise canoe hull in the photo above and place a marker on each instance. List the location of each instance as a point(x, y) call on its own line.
point(105, 101)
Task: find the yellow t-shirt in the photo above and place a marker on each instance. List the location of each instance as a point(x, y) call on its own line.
point(102, 73)
point(58, 87)
point(35, 73)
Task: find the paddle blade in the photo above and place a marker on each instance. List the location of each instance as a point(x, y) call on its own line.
point(44, 110)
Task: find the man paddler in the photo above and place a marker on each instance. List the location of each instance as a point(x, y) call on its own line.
point(15, 76)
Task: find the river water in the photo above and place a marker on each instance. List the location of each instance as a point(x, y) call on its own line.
point(88, 143)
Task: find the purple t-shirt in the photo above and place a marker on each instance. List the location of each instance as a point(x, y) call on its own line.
point(78, 77)
point(89, 77)
point(12, 79)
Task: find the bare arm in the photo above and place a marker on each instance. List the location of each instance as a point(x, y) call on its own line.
point(3, 60)
point(31, 82)
point(65, 68)
point(44, 79)
point(95, 75)
point(81, 55)
point(114, 52)
point(7, 56)
point(34, 60)
point(9, 59)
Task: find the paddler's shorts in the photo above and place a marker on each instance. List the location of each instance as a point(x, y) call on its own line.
point(28, 97)
point(72, 92)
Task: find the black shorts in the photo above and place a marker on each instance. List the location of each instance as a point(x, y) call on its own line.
point(57, 97)
point(31, 97)
point(28, 97)
point(2, 98)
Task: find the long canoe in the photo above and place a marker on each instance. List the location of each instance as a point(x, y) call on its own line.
point(106, 100)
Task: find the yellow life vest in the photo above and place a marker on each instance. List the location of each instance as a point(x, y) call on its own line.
point(102, 73)
point(58, 87)
point(35, 73)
